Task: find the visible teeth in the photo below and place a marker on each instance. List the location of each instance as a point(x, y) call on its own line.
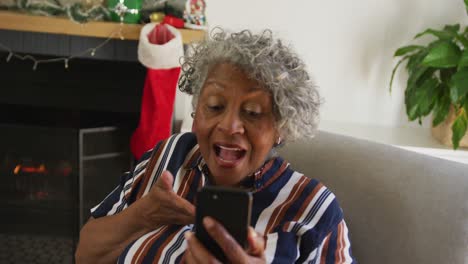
point(224, 159)
point(231, 149)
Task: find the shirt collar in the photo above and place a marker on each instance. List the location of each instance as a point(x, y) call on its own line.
point(254, 182)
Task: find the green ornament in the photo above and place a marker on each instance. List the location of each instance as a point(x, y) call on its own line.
point(126, 11)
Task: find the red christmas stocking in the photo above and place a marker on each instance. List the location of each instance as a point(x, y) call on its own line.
point(159, 49)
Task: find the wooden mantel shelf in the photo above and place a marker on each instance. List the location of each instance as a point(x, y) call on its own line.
point(54, 25)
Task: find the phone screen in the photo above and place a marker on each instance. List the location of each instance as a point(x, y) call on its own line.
point(231, 207)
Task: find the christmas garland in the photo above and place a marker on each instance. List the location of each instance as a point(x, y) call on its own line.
point(76, 12)
point(82, 11)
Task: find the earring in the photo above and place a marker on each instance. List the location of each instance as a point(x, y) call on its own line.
point(192, 114)
point(278, 142)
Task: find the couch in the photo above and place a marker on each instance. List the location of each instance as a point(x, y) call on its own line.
point(400, 206)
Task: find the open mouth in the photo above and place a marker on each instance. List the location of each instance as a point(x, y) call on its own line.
point(229, 154)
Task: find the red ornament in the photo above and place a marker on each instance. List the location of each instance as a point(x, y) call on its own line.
point(173, 21)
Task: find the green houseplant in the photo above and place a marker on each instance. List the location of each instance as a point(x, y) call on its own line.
point(438, 78)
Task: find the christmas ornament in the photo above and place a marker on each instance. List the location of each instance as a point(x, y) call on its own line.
point(126, 11)
point(174, 21)
point(194, 14)
point(157, 17)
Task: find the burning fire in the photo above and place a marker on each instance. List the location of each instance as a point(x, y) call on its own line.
point(29, 169)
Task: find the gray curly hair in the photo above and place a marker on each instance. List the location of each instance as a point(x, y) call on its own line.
point(295, 97)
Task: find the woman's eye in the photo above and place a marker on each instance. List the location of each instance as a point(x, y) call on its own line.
point(215, 108)
point(253, 113)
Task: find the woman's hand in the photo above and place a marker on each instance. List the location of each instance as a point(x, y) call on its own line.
point(163, 206)
point(197, 253)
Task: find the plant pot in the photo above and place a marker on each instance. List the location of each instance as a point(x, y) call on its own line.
point(443, 132)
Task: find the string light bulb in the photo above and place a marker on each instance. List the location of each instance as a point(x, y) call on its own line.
point(66, 63)
point(9, 56)
point(35, 65)
point(93, 52)
point(120, 31)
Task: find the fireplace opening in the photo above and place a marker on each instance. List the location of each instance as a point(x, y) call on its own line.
point(64, 143)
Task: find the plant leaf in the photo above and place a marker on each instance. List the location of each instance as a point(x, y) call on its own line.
point(446, 75)
point(441, 108)
point(465, 32)
point(420, 100)
point(412, 107)
point(466, 5)
point(452, 28)
point(459, 127)
point(413, 91)
point(465, 105)
point(463, 62)
point(394, 71)
point(406, 49)
point(443, 55)
point(411, 102)
point(428, 97)
point(460, 37)
point(459, 85)
point(441, 34)
point(419, 76)
point(415, 60)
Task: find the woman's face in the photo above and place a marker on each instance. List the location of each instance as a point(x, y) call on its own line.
point(234, 124)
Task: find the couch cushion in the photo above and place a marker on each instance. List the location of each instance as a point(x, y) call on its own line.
point(400, 206)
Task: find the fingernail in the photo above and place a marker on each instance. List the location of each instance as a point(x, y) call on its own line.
point(253, 234)
point(208, 222)
point(188, 235)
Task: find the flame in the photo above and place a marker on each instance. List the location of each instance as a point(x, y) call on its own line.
point(30, 169)
point(41, 168)
point(17, 169)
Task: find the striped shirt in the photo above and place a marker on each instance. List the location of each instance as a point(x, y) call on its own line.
point(300, 218)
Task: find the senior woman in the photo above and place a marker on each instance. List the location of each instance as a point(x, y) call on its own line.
point(251, 94)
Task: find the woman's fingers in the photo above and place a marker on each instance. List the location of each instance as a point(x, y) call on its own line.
point(256, 243)
point(165, 206)
point(176, 204)
point(233, 251)
point(196, 252)
point(165, 181)
point(185, 211)
point(181, 205)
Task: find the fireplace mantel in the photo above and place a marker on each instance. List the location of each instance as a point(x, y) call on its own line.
point(54, 36)
point(54, 25)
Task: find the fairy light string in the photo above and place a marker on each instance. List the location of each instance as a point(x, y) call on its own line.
point(64, 60)
point(121, 10)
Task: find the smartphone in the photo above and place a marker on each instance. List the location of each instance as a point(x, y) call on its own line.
point(229, 206)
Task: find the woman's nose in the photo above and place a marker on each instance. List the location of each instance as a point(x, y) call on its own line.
point(231, 123)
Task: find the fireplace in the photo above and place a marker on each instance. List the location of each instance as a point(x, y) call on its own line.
point(64, 143)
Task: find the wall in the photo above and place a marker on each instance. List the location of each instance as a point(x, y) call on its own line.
point(348, 46)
